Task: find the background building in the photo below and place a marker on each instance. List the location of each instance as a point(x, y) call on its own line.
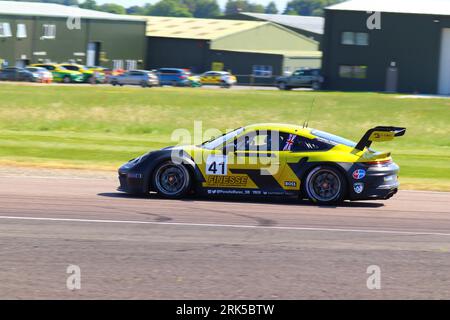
point(254, 51)
point(409, 53)
point(311, 27)
point(42, 32)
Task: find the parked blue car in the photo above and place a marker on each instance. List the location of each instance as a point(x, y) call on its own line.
point(174, 77)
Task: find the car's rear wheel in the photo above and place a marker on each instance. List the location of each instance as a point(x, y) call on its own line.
point(67, 79)
point(325, 185)
point(316, 85)
point(172, 180)
point(283, 86)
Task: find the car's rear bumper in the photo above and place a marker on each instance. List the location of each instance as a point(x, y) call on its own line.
point(379, 182)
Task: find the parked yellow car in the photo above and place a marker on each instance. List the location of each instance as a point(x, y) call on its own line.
point(61, 74)
point(222, 78)
point(88, 74)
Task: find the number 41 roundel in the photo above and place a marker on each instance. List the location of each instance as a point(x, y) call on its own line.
point(217, 165)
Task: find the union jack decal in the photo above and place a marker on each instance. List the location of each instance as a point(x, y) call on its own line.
point(290, 142)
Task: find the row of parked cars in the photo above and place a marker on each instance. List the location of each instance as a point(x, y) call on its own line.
point(65, 73)
point(173, 77)
point(74, 73)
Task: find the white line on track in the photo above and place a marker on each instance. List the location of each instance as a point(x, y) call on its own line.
point(399, 232)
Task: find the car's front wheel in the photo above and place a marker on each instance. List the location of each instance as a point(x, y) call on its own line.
point(172, 180)
point(325, 185)
point(67, 79)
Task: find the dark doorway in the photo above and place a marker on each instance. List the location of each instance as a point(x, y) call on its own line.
point(392, 79)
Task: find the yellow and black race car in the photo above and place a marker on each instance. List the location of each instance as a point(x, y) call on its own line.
point(270, 160)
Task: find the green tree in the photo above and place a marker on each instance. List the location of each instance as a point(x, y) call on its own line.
point(170, 8)
point(203, 8)
point(308, 7)
point(271, 8)
point(236, 6)
point(64, 2)
point(89, 4)
point(112, 8)
point(138, 10)
point(256, 8)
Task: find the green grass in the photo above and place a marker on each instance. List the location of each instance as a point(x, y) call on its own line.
point(101, 127)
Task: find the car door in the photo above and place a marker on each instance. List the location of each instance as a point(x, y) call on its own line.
point(125, 78)
point(205, 78)
point(296, 78)
point(163, 76)
point(211, 78)
point(135, 77)
point(307, 78)
point(9, 74)
point(256, 156)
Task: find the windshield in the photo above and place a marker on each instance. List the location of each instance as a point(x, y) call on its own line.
point(216, 142)
point(333, 138)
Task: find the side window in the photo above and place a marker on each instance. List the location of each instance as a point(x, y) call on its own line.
point(297, 143)
point(303, 144)
point(260, 141)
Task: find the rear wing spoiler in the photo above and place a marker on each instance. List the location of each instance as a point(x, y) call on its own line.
point(379, 134)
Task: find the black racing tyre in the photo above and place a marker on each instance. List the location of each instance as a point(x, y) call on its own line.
point(172, 180)
point(114, 83)
point(67, 79)
point(283, 86)
point(316, 85)
point(225, 85)
point(144, 84)
point(325, 185)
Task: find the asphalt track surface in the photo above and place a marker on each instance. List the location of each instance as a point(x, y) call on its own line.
point(150, 248)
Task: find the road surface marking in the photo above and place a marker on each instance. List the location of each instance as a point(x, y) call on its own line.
point(228, 226)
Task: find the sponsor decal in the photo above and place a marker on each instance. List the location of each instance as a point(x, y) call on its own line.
point(290, 184)
point(229, 181)
point(358, 187)
point(359, 174)
point(290, 142)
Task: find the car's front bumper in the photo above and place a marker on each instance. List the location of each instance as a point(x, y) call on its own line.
point(131, 182)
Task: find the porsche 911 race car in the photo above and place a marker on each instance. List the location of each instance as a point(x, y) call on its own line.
point(270, 160)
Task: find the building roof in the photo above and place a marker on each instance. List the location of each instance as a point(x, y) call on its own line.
point(433, 7)
point(310, 24)
point(57, 10)
point(285, 53)
point(195, 28)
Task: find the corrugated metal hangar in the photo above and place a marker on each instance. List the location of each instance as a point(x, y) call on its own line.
point(311, 27)
point(261, 49)
point(42, 32)
point(400, 46)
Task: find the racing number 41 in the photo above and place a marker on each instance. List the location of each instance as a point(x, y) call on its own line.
point(216, 165)
point(213, 168)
